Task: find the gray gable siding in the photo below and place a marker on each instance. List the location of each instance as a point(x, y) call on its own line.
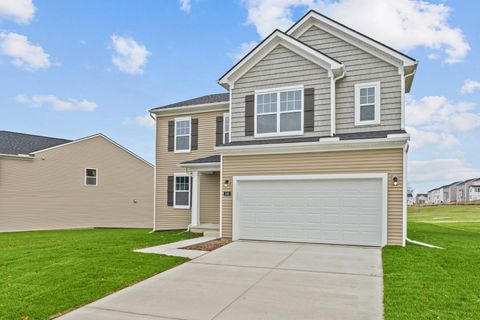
point(282, 68)
point(361, 67)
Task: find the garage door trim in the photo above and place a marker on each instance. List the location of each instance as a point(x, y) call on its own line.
point(346, 176)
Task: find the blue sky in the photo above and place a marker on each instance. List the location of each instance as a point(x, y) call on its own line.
point(73, 68)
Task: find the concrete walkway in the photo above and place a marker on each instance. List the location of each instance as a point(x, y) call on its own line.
point(174, 248)
point(255, 280)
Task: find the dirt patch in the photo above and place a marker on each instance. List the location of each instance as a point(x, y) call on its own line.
point(209, 245)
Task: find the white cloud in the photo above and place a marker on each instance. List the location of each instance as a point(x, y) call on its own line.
point(244, 48)
point(20, 11)
point(23, 54)
point(57, 103)
point(437, 170)
point(403, 24)
point(185, 5)
point(145, 121)
point(469, 86)
point(130, 57)
point(438, 113)
point(434, 120)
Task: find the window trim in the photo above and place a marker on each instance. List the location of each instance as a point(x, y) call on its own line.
point(175, 206)
point(85, 177)
point(377, 104)
point(189, 119)
point(226, 114)
point(278, 112)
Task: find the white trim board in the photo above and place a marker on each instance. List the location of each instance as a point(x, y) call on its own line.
point(315, 146)
point(98, 135)
point(383, 176)
point(269, 44)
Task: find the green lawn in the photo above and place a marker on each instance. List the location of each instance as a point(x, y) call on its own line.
point(48, 272)
point(423, 283)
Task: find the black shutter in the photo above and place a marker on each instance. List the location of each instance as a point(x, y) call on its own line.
point(308, 109)
point(170, 186)
point(171, 135)
point(194, 134)
point(219, 131)
point(249, 115)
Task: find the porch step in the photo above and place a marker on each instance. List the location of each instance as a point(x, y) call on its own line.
point(208, 230)
point(213, 234)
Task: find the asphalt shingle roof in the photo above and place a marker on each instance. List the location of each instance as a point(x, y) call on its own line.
point(21, 143)
point(211, 98)
point(209, 159)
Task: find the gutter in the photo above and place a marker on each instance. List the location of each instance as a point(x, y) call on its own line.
point(323, 145)
point(16, 156)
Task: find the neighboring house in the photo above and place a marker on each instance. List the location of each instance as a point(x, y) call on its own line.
point(474, 191)
point(421, 198)
point(410, 199)
point(308, 144)
point(435, 196)
point(450, 192)
point(49, 183)
point(463, 189)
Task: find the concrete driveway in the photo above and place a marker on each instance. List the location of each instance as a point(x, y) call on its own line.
point(255, 280)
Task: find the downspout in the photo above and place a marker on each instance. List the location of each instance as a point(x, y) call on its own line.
point(154, 179)
point(333, 81)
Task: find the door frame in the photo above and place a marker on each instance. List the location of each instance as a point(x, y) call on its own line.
point(341, 176)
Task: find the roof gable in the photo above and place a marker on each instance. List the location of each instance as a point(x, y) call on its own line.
point(270, 43)
point(350, 35)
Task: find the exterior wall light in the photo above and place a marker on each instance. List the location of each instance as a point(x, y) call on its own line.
point(395, 181)
point(226, 183)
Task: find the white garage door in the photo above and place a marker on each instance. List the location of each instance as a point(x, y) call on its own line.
point(338, 211)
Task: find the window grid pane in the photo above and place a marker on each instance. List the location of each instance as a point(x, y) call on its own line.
point(291, 100)
point(266, 103)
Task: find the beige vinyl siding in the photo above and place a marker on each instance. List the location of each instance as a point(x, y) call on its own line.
point(48, 192)
point(282, 68)
point(361, 67)
point(210, 198)
point(168, 218)
point(373, 161)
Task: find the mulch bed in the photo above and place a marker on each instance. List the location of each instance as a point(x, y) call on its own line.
point(209, 245)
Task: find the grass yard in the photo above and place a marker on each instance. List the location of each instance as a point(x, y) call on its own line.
point(44, 273)
point(423, 283)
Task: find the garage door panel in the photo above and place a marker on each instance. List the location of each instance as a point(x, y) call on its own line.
point(321, 211)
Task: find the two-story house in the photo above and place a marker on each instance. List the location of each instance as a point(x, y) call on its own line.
point(307, 145)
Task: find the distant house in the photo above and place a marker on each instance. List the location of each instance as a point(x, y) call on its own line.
point(449, 192)
point(410, 199)
point(435, 196)
point(50, 183)
point(421, 198)
point(474, 191)
point(464, 190)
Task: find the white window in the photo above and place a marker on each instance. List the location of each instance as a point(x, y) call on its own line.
point(182, 134)
point(181, 195)
point(367, 103)
point(226, 127)
point(279, 112)
point(91, 177)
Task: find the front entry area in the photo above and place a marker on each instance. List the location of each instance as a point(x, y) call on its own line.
point(334, 209)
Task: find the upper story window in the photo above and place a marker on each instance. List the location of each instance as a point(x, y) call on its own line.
point(367, 103)
point(226, 127)
point(182, 134)
point(279, 112)
point(91, 177)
